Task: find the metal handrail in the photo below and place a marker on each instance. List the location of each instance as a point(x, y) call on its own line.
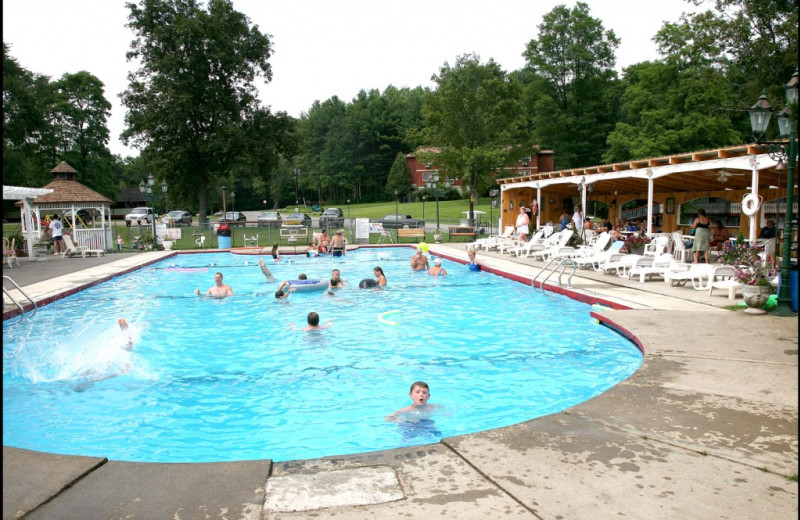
point(21, 308)
point(560, 262)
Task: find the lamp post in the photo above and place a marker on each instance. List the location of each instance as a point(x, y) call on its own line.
point(492, 195)
point(760, 114)
point(147, 188)
point(223, 202)
point(348, 208)
point(233, 200)
point(296, 184)
point(396, 209)
point(434, 185)
point(423, 207)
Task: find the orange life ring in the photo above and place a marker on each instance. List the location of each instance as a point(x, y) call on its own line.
point(534, 208)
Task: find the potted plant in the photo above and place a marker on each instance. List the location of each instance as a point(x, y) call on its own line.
point(146, 240)
point(753, 272)
point(635, 243)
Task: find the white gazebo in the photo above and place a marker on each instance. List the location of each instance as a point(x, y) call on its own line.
point(26, 195)
point(67, 197)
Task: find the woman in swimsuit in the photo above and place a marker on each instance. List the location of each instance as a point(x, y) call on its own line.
point(437, 269)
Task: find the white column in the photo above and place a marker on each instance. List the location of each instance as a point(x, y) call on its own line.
point(538, 207)
point(754, 189)
point(649, 202)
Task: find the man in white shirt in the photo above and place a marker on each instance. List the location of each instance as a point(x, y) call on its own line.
point(57, 230)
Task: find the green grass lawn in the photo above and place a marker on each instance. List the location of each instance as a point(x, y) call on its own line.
point(450, 213)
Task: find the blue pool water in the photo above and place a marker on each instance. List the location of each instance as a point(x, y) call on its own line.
point(221, 380)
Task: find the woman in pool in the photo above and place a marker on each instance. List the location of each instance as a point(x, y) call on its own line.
point(276, 255)
point(369, 283)
point(473, 264)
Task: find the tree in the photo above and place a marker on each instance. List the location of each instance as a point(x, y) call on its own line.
point(193, 94)
point(665, 111)
point(475, 119)
point(572, 85)
point(398, 177)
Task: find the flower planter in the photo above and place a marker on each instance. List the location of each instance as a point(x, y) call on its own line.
point(637, 250)
point(756, 296)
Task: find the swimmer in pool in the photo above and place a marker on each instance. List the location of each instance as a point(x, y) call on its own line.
point(338, 276)
point(419, 261)
point(473, 263)
point(123, 327)
point(313, 323)
point(437, 269)
point(219, 290)
point(419, 407)
point(283, 290)
point(265, 270)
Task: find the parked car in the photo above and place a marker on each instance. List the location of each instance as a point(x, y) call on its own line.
point(139, 216)
point(269, 218)
point(178, 217)
point(297, 219)
point(233, 216)
point(331, 218)
point(400, 221)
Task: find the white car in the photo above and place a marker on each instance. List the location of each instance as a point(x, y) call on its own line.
point(139, 216)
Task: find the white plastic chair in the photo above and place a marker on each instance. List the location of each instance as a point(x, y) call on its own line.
point(724, 277)
point(657, 246)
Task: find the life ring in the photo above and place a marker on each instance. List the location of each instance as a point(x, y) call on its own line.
point(382, 319)
point(308, 285)
point(534, 208)
point(750, 204)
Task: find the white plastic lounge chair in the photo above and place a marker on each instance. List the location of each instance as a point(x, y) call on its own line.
point(70, 249)
point(698, 274)
point(600, 244)
point(662, 265)
point(724, 277)
point(524, 250)
point(623, 266)
point(678, 246)
point(552, 245)
point(493, 242)
point(657, 246)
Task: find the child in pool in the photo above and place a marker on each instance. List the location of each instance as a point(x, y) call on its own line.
point(123, 327)
point(419, 407)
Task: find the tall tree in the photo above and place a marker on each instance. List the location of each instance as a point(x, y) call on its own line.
point(190, 99)
point(475, 118)
point(398, 177)
point(573, 107)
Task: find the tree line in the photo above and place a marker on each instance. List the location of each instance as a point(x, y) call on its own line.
point(194, 113)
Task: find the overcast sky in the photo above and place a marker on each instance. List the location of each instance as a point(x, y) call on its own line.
point(324, 48)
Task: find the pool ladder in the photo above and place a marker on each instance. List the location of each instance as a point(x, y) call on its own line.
point(14, 301)
point(557, 263)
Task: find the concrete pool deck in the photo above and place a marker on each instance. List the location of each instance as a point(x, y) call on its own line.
point(706, 428)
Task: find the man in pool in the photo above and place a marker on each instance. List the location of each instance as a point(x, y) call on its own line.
point(338, 276)
point(419, 261)
point(220, 290)
point(284, 290)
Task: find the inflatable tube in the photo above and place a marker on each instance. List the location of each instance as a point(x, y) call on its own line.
point(367, 283)
point(750, 204)
point(308, 285)
point(382, 317)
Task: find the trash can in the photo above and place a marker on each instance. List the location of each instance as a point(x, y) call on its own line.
point(224, 236)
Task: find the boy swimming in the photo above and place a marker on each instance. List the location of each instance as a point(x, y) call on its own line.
point(419, 407)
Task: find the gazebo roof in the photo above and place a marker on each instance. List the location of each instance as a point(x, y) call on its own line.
point(68, 189)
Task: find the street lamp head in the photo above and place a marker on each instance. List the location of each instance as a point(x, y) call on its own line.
point(760, 114)
point(164, 186)
point(791, 89)
point(142, 187)
point(785, 121)
point(396, 193)
point(151, 180)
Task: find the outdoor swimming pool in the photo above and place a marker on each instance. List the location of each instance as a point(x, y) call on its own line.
point(221, 380)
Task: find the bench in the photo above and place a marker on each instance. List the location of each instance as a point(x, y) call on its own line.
point(461, 231)
point(410, 233)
